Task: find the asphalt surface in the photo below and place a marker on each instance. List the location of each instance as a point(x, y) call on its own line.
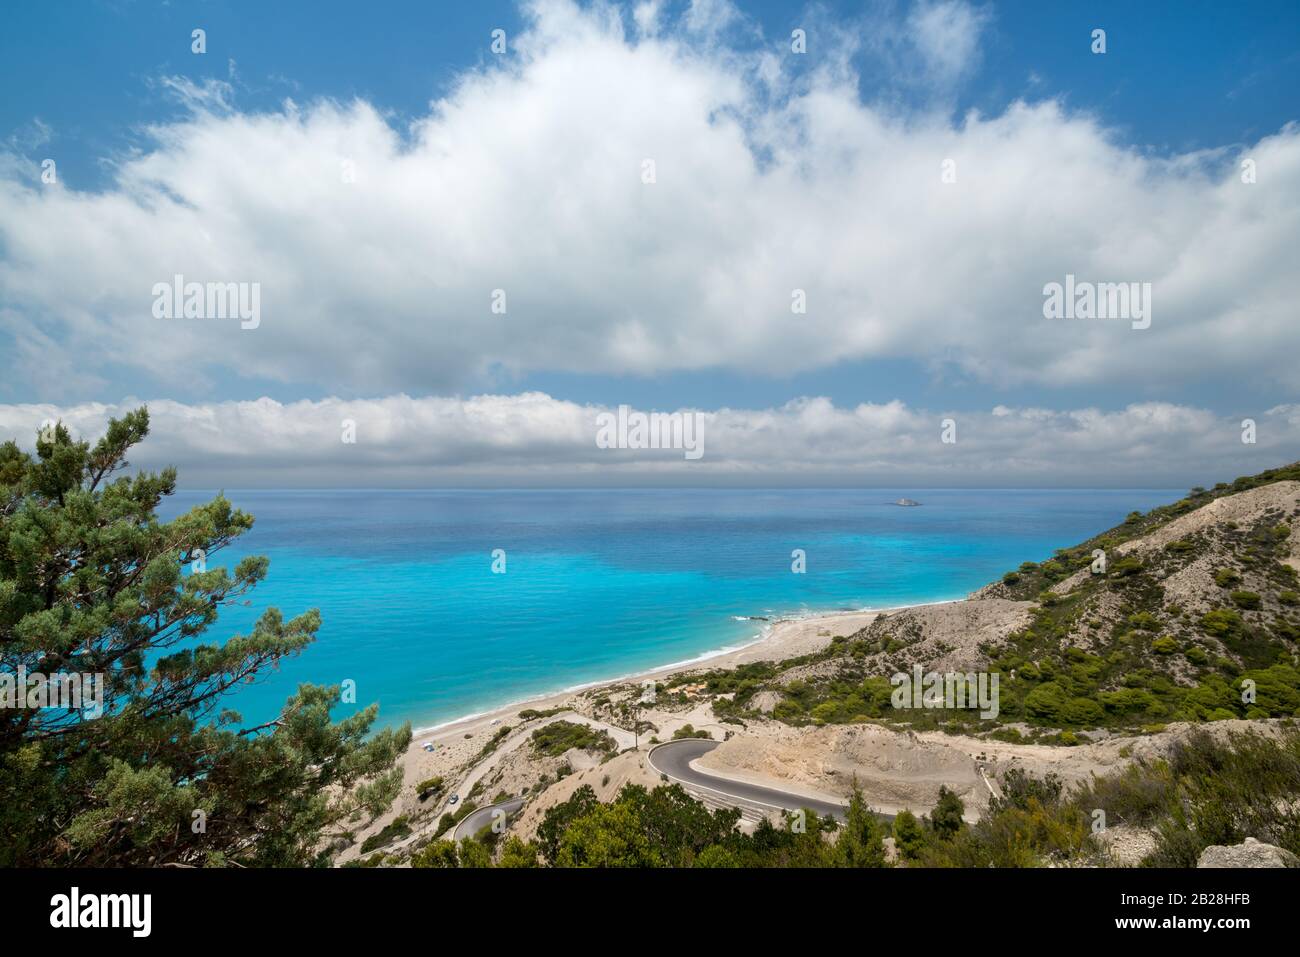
point(674, 759)
point(478, 819)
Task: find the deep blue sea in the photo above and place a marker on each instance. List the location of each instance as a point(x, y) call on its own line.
point(602, 583)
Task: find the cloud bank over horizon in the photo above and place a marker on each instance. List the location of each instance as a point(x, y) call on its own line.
point(528, 177)
point(532, 439)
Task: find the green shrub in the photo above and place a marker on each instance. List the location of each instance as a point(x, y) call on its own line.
point(1047, 701)
point(1144, 621)
point(1226, 577)
point(559, 736)
point(1221, 622)
point(398, 828)
point(528, 714)
point(1125, 568)
point(429, 785)
point(1245, 599)
point(686, 731)
point(1083, 711)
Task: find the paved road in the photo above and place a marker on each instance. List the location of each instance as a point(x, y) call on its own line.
point(624, 739)
point(674, 759)
point(475, 821)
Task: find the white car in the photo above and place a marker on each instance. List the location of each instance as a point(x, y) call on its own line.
point(453, 799)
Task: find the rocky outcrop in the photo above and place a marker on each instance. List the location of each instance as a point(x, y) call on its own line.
point(1250, 853)
point(947, 636)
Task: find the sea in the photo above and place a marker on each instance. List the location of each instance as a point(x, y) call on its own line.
point(441, 604)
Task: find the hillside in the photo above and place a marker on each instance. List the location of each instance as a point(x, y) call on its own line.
point(1197, 600)
point(1106, 681)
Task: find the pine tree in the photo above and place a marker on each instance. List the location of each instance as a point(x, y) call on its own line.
point(861, 841)
point(946, 818)
point(93, 583)
point(909, 836)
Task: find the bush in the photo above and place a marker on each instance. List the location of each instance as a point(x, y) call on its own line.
point(1221, 622)
point(1125, 568)
point(559, 736)
point(528, 714)
point(1083, 711)
point(686, 731)
point(399, 827)
point(1226, 577)
point(1047, 701)
point(717, 856)
point(429, 786)
point(1127, 700)
point(1245, 599)
point(435, 854)
point(1164, 645)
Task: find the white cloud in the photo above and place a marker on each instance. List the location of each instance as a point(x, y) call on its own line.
point(646, 16)
point(946, 34)
point(527, 178)
point(533, 439)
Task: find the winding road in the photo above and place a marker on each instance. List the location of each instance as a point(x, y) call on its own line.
point(475, 821)
point(674, 760)
point(623, 739)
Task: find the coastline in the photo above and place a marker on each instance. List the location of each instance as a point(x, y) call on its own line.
point(785, 637)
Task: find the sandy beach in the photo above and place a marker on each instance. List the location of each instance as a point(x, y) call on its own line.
point(784, 638)
point(457, 745)
point(472, 765)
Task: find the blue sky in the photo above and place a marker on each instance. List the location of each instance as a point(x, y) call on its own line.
point(1178, 74)
point(1152, 130)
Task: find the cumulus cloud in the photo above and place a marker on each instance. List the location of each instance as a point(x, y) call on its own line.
point(534, 439)
point(528, 178)
point(947, 36)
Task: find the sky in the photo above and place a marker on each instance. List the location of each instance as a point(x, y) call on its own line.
point(827, 229)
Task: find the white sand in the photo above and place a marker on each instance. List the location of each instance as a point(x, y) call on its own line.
point(786, 638)
point(458, 743)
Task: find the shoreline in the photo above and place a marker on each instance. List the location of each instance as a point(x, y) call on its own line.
point(784, 637)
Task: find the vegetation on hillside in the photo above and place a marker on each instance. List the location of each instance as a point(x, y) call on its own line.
point(1111, 650)
point(1207, 791)
point(557, 737)
point(665, 827)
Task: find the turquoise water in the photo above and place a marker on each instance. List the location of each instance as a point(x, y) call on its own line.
point(603, 583)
